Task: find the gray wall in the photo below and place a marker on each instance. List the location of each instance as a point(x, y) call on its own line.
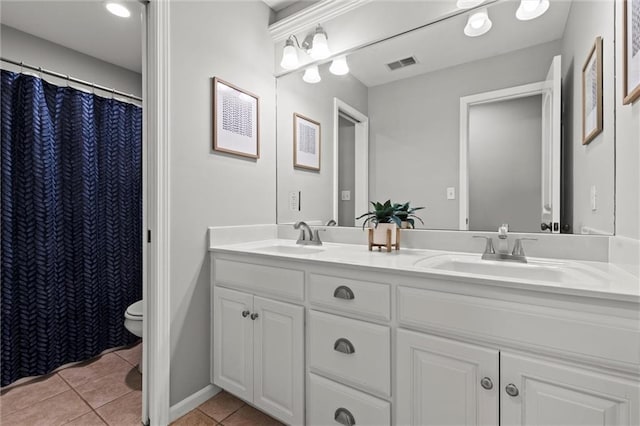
point(20, 46)
point(415, 131)
point(229, 40)
point(314, 101)
point(592, 164)
point(346, 173)
point(505, 164)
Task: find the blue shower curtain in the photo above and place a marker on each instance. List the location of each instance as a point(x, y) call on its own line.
point(71, 224)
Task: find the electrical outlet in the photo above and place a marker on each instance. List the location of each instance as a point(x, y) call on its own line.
point(594, 198)
point(294, 201)
point(345, 195)
point(451, 193)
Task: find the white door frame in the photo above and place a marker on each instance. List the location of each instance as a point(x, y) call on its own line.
point(467, 102)
point(156, 119)
point(361, 156)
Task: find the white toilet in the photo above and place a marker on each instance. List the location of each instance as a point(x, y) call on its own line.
point(133, 322)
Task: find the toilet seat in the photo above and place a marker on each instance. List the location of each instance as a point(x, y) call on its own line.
point(134, 311)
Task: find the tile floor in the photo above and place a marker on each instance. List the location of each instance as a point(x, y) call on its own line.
point(104, 391)
point(108, 391)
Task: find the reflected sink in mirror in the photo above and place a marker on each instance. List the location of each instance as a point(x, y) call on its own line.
point(557, 272)
point(285, 249)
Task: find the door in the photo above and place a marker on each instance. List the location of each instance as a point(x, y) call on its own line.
point(537, 392)
point(551, 140)
point(233, 342)
point(279, 359)
point(444, 382)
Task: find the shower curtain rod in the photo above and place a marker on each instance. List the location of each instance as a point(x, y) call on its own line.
point(68, 78)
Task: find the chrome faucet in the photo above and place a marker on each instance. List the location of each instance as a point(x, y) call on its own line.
point(503, 244)
point(313, 235)
point(517, 255)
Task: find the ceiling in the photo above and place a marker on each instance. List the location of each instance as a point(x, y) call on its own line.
point(443, 45)
point(82, 25)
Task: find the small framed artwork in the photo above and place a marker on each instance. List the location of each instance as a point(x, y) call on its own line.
point(631, 50)
point(236, 127)
point(306, 143)
point(592, 93)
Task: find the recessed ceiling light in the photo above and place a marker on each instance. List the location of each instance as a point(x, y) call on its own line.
point(117, 8)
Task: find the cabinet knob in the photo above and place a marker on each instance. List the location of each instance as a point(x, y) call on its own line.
point(511, 390)
point(245, 313)
point(344, 417)
point(254, 316)
point(343, 292)
point(486, 383)
point(343, 345)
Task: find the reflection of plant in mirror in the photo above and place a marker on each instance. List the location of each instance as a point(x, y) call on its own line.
point(381, 213)
point(406, 213)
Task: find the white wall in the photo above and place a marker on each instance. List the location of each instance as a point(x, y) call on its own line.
point(228, 40)
point(414, 128)
point(314, 101)
point(20, 46)
point(592, 164)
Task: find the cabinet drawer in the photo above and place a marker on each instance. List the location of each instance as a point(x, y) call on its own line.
point(352, 351)
point(354, 296)
point(260, 279)
point(328, 402)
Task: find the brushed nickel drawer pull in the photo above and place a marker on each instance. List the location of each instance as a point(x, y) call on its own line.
point(344, 417)
point(343, 345)
point(343, 292)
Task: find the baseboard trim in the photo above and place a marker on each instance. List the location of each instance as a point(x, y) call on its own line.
point(189, 403)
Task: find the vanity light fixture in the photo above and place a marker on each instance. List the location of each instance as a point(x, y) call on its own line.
point(319, 46)
point(339, 66)
point(468, 4)
point(478, 23)
point(290, 54)
point(311, 75)
point(117, 8)
point(531, 9)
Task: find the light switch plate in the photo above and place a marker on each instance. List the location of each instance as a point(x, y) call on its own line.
point(451, 193)
point(345, 195)
point(294, 201)
point(594, 198)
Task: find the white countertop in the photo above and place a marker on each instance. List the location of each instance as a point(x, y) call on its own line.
point(612, 282)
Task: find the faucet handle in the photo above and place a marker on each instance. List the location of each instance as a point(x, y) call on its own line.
point(518, 250)
point(502, 230)
point(488, 248)
point(316, 236)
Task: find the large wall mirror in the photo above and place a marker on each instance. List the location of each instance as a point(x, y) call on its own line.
point(479, 130)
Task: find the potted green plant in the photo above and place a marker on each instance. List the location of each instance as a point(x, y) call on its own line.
point(406, 214)
point(381, 218)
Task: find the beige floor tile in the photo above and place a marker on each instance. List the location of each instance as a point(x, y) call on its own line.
point(124, 379)
point(132, 355)
point(249, 416)
point(91, 370)
point(89, 419)
point(27, 394)
point(54, 411)
point(221, 406)
point(194, 418)
point(124, 411)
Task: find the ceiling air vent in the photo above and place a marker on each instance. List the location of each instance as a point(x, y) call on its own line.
point(402, 63)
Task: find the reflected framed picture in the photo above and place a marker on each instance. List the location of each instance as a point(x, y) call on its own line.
point(631, 50)
point(236, 126)
point(306, 143)
point(592, 93)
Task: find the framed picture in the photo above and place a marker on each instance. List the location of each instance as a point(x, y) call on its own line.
point(236, 126)
point(306, 143)
point(592, 93)
point(631, 50)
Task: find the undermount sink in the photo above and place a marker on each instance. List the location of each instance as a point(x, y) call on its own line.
point(557, 272)
point(285, 249)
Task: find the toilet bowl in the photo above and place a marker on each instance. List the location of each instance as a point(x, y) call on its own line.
point(133, 318)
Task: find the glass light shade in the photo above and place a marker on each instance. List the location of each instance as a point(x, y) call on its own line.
point(339, 66)
point(117, 9)
point(478, 23)
point(311, 75)
point(531, 9)
point(468, 4)
point(289, 56)
point(320, 47)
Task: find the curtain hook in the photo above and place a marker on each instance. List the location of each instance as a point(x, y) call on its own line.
point(40, 71)
point(113, 93)
point(68, 81)
point(93, 88)
point(21, 67)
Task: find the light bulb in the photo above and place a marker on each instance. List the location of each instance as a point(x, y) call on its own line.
point(289, 56)
point(339, 66)
point(531, 9)
point(319, 46)
point(311, 75)
point(478, 23)
point(468, 4)
point(117, 9)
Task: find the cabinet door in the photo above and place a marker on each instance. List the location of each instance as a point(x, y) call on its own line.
point(444, 382)
point(279, 359)
point(545, 393)
point(233, 342)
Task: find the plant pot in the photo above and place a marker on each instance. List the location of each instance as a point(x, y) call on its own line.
point(405, 225)
point(380, 233)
